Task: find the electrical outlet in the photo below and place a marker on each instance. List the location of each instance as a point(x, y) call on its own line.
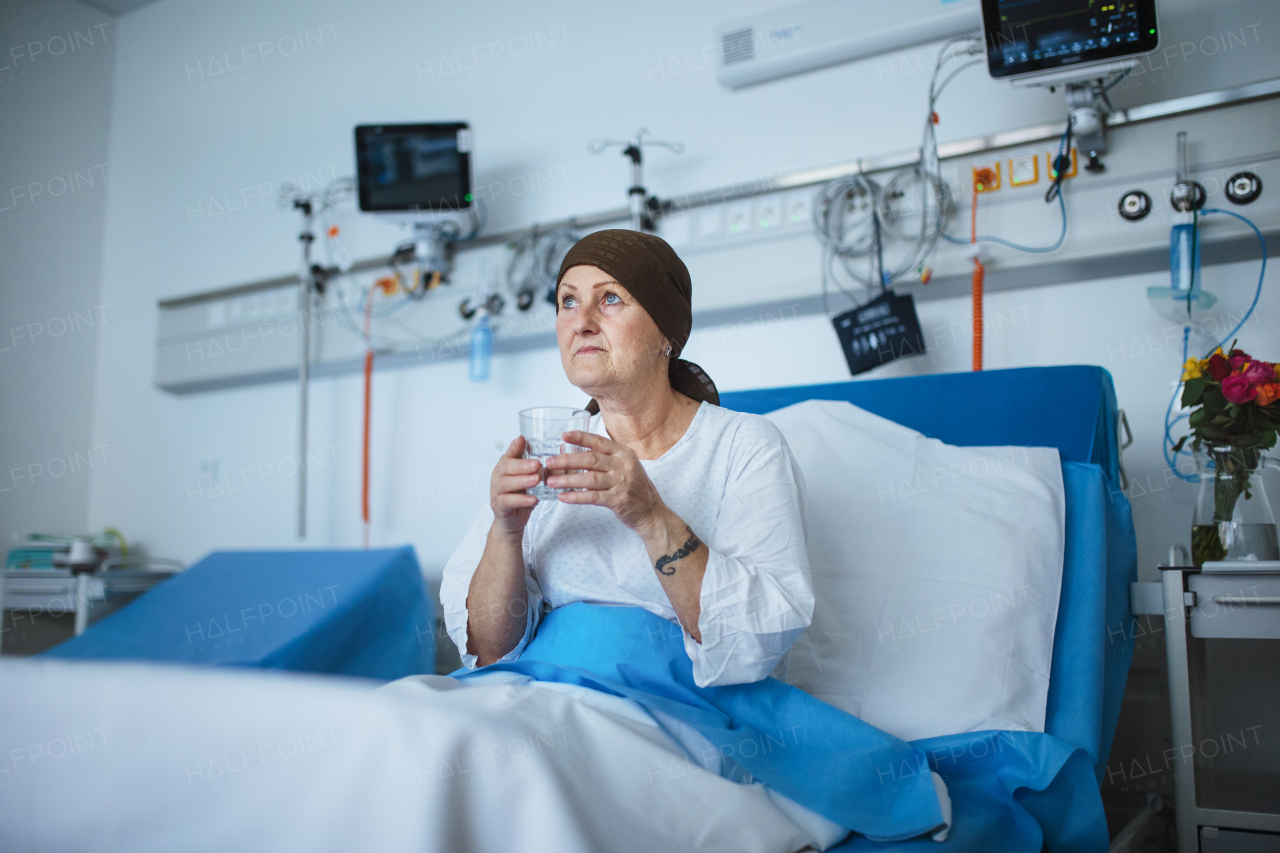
point(769, 213)
point(986, 176)
point(798, 209)
point(1072, 170)
point(1024, 169)
point(739, 219)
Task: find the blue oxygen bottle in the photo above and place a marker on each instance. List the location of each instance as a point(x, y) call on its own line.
point(1184, 300)
point(481, 348)
point(1184, 255)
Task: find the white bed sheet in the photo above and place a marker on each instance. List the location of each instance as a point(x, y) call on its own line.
point(137, 757)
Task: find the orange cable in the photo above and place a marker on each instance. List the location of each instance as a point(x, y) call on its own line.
point(368, 398)
point(978, 274)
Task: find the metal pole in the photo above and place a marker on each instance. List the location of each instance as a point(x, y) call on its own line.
point(636, 194)
point(304, 362)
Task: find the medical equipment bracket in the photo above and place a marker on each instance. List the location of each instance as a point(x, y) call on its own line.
point(808, 177)
point(1106, 264)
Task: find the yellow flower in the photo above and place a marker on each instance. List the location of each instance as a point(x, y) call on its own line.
point(1276, 371)
point(1193, 369)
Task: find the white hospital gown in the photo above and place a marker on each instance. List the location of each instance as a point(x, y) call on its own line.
point(733, 480)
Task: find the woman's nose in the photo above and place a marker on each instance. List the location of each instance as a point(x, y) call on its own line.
point(587, 320)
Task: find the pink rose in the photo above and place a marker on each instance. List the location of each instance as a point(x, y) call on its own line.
point(1236, 362)
point(1238, 390)
point(1256, 373)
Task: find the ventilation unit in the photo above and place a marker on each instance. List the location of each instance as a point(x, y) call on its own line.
point(817, 34)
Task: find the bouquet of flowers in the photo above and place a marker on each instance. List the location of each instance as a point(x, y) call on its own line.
point(1236, 414)
point(1236, 396)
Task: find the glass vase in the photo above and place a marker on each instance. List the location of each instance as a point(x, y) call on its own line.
point(1233, 518)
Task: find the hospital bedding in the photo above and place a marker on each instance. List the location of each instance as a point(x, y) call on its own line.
point(128, 757)
point(936, 607)
point(348, 612)
point(1007, 787)
point(1072, 408)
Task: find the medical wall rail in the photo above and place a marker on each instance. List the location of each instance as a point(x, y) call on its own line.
point(797, 180)
point(1098, 248)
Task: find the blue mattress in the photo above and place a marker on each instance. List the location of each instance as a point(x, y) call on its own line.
point(357, 613)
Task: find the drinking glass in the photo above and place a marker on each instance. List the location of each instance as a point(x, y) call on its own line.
point(542, 428)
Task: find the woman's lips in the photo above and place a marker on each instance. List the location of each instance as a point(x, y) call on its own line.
point(584, 350)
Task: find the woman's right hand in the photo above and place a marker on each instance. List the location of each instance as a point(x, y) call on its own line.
point(511, 476)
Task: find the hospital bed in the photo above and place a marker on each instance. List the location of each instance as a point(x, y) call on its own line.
point(339, 612)
point(380, 629)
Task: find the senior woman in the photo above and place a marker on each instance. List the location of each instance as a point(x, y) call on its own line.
point(687, 510)
point(679, 511)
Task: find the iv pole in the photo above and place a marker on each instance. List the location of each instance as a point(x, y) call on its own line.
point(641, 205)
point(306, 283)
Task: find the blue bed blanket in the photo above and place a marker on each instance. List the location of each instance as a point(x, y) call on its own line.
point(1011, 792)
point(823, 758)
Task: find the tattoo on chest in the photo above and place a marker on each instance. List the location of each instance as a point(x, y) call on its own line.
point(663, 565)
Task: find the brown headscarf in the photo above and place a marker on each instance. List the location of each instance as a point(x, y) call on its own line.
point(654, 274)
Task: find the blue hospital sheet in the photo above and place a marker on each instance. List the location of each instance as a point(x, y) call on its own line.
point(1011, 792)
point(832, 762)
point(358, 613)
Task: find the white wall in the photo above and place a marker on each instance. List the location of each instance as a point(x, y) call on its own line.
point(56, 60)
point(181, 134)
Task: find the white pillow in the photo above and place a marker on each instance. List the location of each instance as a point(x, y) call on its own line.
point(936, 573)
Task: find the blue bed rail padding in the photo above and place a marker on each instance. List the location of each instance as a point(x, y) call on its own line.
point(357, 613)
point(1070, 407)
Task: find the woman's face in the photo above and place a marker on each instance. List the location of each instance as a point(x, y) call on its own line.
point(606, 339)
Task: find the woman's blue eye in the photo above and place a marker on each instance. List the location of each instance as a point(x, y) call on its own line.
point(567, 301)
point(612, 296)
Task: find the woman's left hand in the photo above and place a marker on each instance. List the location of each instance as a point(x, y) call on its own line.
point(612, 477)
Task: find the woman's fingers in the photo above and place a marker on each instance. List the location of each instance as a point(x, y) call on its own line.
point(586, 496)
point(513, 474)
point(588, 480)
point(509, 467)
point(588, 459)
point(589, 440)
point(510, 501)
point(507, 485)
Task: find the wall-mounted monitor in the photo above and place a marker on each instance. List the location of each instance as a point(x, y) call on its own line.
point(1036, 38)
point(414, 167)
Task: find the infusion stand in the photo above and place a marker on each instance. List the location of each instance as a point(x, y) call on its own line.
point(311, 281)
point(306, 284)
point(642, 205)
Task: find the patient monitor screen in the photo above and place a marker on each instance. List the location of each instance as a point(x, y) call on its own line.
point(1025, 36)
point(414, 166)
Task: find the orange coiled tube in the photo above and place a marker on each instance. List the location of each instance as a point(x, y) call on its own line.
point(386, 285)
point(978, 273)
